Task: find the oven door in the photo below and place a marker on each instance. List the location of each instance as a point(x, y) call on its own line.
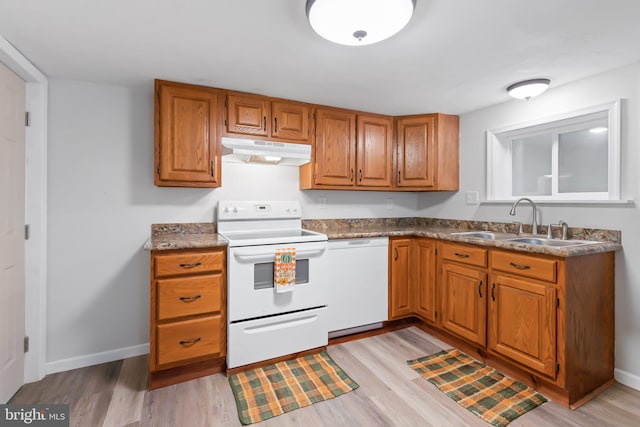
point(250, 288)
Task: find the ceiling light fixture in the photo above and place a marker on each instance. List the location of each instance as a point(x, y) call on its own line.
point(527, 89)
point(358, 22)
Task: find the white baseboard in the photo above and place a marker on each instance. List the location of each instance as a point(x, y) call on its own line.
point(96, 358)
point(624, 377)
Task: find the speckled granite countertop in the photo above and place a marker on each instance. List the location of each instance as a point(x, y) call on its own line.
point(204, 235)
point(184, 236)
point(606, 240)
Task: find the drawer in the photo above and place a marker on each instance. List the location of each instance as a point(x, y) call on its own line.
point(188, 263)
point(186, 296)
point(465, 254)
point(525, 265)
point(189, 339)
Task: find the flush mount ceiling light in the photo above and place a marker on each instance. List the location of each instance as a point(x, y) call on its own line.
point(358, 22)
point(527, 89)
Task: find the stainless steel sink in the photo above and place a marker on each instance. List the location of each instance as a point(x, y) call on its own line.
point(477, 234)
point(549, 242)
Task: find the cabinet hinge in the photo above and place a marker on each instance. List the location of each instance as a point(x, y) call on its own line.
point(557, 302)
point(557, 368)
point(225, 122)
point(27, 118)
point(436, 251)
point(27, 232)
point(226, 102)
point(158, 95)
point(26, 344)
point(315, 116)
point(158, 169)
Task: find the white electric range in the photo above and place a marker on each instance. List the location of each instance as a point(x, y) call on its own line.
point(264, 324)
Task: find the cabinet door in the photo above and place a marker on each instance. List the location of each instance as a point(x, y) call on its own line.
point(248, 115)
point(335, 154)
point(416, 152)
point(187, 119)
point(375, 151)
point(425, 266)
point(464, 306)
point(522, 322)
point(290, 121)
point(400, 283)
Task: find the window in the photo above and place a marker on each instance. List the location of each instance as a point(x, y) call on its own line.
point(575, 156)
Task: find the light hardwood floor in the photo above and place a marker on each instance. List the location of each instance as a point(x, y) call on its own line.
point(390, 394)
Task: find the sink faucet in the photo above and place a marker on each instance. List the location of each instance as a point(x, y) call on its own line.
point(512, 212)
point(563, 225)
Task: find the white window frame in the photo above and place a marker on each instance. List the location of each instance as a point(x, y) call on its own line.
point(499, 154)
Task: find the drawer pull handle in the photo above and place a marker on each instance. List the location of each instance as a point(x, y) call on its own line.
point(191, 298)
point(461, 255)
point(192, 265)
point(190, 342)
point(396, 254)
point(480, 288)
point(520, 266)
point(493, 295)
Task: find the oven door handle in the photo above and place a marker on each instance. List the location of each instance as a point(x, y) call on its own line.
point(271, 255)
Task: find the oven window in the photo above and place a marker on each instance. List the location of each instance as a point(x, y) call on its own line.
point(263, 274)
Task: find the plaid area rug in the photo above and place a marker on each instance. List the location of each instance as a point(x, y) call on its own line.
point(482, 390)
point(263, 393)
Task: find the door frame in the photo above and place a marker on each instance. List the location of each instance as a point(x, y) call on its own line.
point(35, 208)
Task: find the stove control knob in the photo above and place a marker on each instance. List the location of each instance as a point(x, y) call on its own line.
point(235, 209)
point(226, 209)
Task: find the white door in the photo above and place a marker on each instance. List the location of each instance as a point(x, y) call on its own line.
point(12, 189)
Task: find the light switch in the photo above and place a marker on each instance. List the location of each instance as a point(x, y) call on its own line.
point(471, 197)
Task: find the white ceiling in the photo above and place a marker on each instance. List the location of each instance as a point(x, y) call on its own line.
point(454, 56)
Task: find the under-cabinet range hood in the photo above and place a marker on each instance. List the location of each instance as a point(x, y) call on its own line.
point(265, 152)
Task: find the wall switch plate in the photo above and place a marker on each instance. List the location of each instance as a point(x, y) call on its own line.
point(389, 203)
point(471, 197)
point(323, 202)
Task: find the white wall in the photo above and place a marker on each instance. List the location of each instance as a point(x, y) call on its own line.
point(623, 84)
point(101, 205)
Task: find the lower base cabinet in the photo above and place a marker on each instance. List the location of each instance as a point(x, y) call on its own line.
point(550, 318)
point(522, 322)
point(188, 314)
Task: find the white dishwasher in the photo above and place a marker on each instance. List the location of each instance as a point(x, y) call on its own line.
point(358, 285)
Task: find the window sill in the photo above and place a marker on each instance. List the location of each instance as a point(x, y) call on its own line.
point(564, 202)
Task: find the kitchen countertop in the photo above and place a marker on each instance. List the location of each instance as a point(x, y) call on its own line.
point(607, 240)
point(204, 235)
point(184, 236)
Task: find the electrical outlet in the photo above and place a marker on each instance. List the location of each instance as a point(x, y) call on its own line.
point(389, 203)
point(471, 197)
point(323, 202)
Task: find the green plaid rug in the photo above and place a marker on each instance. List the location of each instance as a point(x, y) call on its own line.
point(263, 393)
point(482, 390)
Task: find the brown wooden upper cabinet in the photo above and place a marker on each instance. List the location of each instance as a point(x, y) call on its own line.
point(352, 151)
point(427, 152)
point(187, 121)
point(267, 118)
